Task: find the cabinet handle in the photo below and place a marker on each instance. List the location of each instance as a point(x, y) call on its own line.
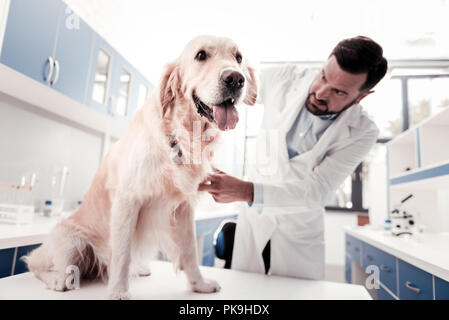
point(51, 62)
point(53, 82)
point(384, 268)
point(408, 284)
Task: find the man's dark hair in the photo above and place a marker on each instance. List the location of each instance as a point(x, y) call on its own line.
point(361, 55)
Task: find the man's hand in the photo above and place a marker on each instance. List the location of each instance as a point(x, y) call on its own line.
point(225, 188)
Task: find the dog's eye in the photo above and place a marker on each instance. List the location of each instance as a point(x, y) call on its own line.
point(201, 55)
point(238, 57)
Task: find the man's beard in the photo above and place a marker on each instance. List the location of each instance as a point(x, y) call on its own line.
point(315, 111)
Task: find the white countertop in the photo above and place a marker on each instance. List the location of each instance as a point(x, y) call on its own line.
point(165, 284)
point(12, 236)
point(427, 251)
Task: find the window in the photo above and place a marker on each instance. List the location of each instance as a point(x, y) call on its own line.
point(384, 106)
point(427, 96)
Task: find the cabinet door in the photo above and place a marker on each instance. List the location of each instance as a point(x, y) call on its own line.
point(142, 92)
point(6, 259)
point(414, 283)
point(123, 90)
point(30, 36)
point(73, 54)
point(99, 86)
point(348, 269)
point(441, 289)
point(20, 266)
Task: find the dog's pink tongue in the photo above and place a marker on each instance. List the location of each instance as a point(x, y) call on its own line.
point(226, 117)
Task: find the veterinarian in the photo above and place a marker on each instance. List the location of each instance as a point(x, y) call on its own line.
point(315, 126)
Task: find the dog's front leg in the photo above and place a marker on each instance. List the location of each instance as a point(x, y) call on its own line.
point(182, 230)
point(124, 213)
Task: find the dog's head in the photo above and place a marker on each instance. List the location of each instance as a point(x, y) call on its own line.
point(213, 75)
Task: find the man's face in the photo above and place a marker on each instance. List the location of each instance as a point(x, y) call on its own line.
point(334, 89)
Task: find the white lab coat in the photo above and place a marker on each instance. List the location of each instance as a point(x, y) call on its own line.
point(295, 191)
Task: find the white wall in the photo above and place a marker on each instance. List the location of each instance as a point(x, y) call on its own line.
point(38, 142)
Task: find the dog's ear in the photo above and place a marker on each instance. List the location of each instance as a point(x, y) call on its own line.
point(169, 87)
point(251, 89)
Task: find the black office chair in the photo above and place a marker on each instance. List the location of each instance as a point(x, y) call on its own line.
point(224, 241)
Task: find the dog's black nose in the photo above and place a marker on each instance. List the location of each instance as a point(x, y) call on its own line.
point(233, 79)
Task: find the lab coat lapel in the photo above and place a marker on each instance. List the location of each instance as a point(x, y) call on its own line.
point(339, 132)
point(296, 98)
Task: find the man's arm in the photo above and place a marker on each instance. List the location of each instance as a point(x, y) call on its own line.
point(314, 191)
point(318, 187)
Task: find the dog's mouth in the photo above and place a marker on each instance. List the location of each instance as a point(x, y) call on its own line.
point(225, 114)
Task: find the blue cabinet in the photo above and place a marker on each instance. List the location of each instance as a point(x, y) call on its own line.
point(6, 260)
point(20, 266)
point(123, 89)
point(353, 248)
point(46, 41)
point(385, 263)
point(441, 289)
point(30, 36)
point(73, 56)
point(383, 294)
point(414, 283)
point(348, 269)
point(99, 84)
point(398, 279)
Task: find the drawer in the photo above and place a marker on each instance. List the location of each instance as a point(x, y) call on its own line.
point(353, 248)
point(383, 294)
point(348, 269)
point(6, 259)
point(414, 283)
point(441, 289)
point(385, 262)
point(23, 251)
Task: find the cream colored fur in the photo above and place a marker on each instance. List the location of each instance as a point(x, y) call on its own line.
point(142, 198)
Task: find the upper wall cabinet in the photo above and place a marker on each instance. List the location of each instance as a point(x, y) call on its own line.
point(30, 37)
point(46, 41)
point(99, 83)
point(116, 88)
point(73, 55)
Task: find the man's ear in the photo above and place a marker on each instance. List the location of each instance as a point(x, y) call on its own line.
point(169, 87)
point(363, 95)
point(251, 89)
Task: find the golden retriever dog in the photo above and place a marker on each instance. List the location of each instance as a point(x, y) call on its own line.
point(142, 197)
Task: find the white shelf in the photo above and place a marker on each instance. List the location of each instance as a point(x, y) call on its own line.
point(45, 99)
point(422, 149)
point(434, 139)
point(403, 153)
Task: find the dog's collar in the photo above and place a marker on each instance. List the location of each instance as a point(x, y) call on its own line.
point(177, 155)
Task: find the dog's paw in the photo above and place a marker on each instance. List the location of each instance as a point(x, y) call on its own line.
point(139, 270)
point(119, 295)
point(56, 282)
point(205, 286)
point(144, 271)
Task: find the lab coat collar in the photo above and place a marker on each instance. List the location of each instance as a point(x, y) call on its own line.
point(296, 99)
